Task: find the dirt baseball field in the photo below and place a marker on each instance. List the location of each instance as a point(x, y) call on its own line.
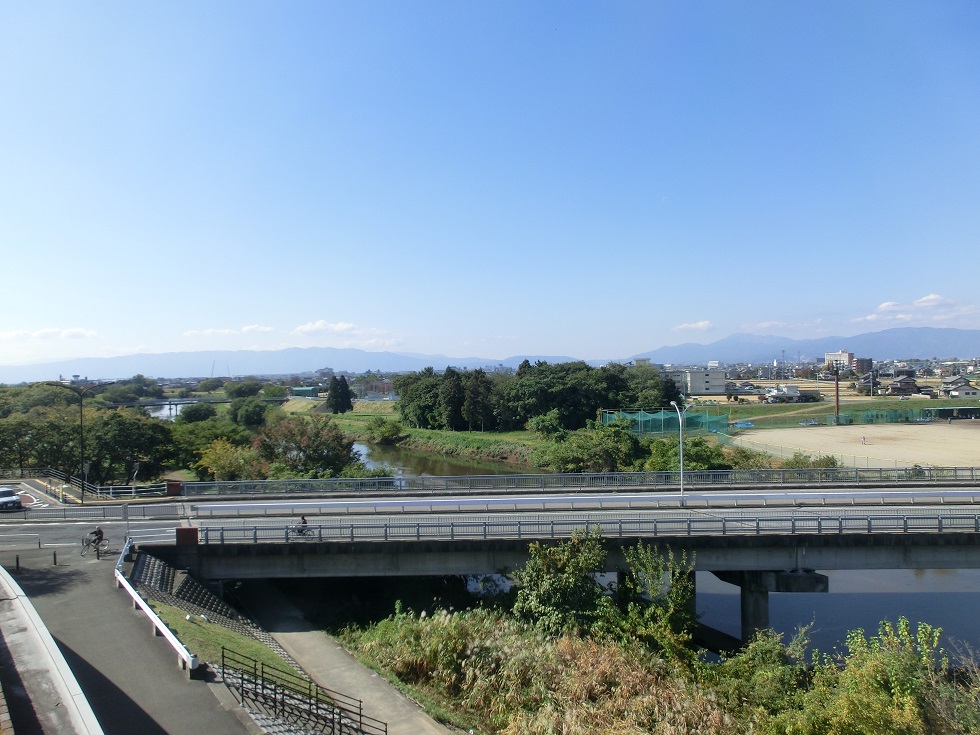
point(936, 444)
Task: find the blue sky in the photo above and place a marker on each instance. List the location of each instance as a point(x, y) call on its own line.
point(483, 178)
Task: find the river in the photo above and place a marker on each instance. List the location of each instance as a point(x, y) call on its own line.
point(946, 598)
point(418, 463)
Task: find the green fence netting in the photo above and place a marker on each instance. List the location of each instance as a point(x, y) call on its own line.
point(665, 422)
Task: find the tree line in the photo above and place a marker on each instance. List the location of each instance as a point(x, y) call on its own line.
point(250, 438)
point(567, 395)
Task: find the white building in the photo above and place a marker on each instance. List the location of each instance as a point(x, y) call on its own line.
point(699, 382)
point(842, 358)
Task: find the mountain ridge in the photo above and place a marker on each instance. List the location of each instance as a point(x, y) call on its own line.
point(891, 344)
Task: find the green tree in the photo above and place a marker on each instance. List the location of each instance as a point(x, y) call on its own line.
point(210, 385)
point(452, 394)
point(339, 395)
point(599, 448)
point(557, 587)
point(222, 460)
point(16, 442)
point(245, 389)
point(249, 411)
point(548, 426)
point(381, 430)
point(193, 412)
point(271, 390)
point(884, 684)
point(418, 398)
point(657, 597)
point(131, 390)
point(116, 440)
point(477, 409)
point(313, 447)
point(192, 439)
point(54, 436)
point(800, 461)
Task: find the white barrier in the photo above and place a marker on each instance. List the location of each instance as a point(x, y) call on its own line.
point(188, 660)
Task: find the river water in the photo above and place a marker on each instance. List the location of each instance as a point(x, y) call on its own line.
point(418, 464)
point(946, 598)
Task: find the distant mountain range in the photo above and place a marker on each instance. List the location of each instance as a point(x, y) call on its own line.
point(890, 344)
point(907, 343)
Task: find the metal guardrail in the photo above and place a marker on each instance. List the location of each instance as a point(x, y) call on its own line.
point(586, 481)
point(294, 698)
point(101, 512)
point(114, 492)
point(95, 491)
point(529, 529)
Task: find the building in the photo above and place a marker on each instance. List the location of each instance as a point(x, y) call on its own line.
point(863, 365)
point(867, 383)
point(841, 358)
point(958, 387)
point(903, 385)
point(699, 382)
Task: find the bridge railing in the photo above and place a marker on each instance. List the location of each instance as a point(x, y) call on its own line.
point(585, 481)
point(557, 528)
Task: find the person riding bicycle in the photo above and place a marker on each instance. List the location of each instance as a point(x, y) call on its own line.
point(301, 528)
point(96, 536)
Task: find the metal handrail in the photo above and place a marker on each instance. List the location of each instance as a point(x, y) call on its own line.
point(590, 481)
point(626, 527)
point(280, 686)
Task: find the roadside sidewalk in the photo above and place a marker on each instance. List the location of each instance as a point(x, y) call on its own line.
point(329, 665)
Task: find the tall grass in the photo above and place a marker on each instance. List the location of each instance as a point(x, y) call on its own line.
point(500, 676)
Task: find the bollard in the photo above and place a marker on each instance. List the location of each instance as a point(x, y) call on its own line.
point(54, 555)
point(17, 563)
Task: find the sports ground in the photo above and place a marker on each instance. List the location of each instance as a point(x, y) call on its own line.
point(936, 444)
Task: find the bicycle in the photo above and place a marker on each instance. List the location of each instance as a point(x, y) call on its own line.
point(298, 531)
point(89, 543)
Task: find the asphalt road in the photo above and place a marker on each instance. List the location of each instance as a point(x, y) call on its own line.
point(130, 677)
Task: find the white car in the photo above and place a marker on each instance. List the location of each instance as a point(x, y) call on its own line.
point(9, 500)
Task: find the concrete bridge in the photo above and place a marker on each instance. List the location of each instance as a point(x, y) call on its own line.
point(761, 549)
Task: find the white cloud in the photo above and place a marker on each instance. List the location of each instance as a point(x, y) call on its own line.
point(227, 331)
point(773, 325)
point(345, 334)
point(49, 333)
point(702, 326)
point(930, 310)
point(324, 327)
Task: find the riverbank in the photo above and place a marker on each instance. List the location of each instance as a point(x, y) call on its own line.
point(513, 447)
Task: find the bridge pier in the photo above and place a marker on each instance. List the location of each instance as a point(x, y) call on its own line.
point(755, 587)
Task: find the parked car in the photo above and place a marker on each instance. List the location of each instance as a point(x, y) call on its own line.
point(9, 500)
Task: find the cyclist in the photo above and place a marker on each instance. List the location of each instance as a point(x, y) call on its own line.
point(302, 526)
point(96, 536)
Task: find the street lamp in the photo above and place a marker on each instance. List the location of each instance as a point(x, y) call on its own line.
point(680, 424)
point(80, 392)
